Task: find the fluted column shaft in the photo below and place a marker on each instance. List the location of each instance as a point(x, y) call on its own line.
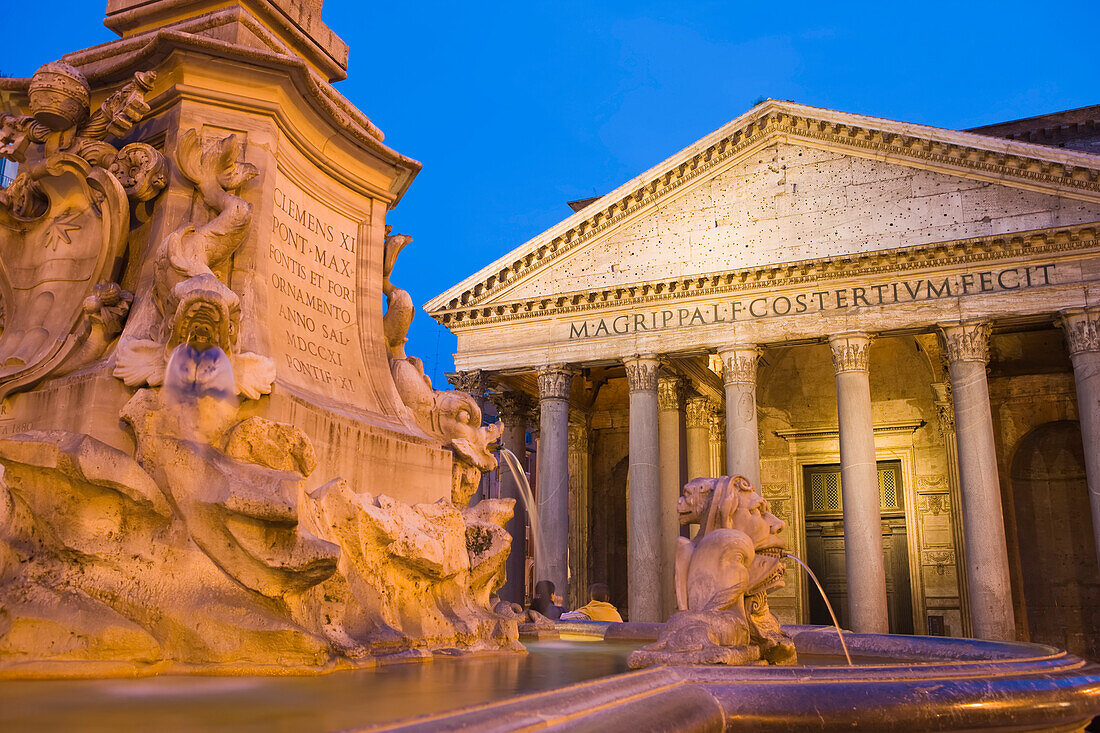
point(643, 547)
point(1082, 328)
point(742, 440)
point(670, 431)
point(867, 611)
point(552, 489)
point(698, 412)
point(512, 408)
point(967, 345)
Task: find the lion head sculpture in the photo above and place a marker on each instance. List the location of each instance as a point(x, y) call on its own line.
point(723, 576)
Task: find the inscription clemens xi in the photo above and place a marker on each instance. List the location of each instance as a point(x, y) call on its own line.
point(312, 274)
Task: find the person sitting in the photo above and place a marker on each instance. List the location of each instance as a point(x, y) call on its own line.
point(599, 608)
point(543, 600)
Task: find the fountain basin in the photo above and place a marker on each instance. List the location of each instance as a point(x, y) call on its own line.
point(899, 683)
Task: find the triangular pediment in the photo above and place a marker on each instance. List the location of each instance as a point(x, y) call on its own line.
point(788, 183)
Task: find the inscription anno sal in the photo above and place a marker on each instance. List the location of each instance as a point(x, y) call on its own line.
point(312, 276)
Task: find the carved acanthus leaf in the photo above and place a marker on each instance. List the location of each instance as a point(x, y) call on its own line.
point(555, 381)
point(699, 412)
point(739, 364)
point(851, 352)
point(670, 393)
point(1082, 329)
point(641, 373)
point(966, 341)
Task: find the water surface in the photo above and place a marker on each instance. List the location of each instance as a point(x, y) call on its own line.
point(302, 704)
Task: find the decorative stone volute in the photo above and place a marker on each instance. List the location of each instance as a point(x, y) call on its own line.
point(739, 363)
point(641, 372)
point(966, 340)
point(670, 393)
point(1082, 329)
point(851, 351)
point(555, 381)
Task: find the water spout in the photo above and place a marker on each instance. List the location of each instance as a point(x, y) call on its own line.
point(828, 605)
point(528, 500)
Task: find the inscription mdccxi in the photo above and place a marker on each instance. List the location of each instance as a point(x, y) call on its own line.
point(814, 301)
point(312, 253)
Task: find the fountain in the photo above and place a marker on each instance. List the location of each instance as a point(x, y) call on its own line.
point(228, 496)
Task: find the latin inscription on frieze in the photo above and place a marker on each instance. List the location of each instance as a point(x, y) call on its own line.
point(311, 255)
point(870, 295)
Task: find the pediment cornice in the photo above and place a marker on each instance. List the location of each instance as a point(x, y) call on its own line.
point(938, 255)
point(1036, 167)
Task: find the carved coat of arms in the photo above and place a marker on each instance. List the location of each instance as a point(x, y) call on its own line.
point(64, 222)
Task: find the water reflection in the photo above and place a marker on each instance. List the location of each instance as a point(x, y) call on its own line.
point(325, 703)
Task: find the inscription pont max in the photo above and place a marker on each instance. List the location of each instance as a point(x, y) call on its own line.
point(312, 274)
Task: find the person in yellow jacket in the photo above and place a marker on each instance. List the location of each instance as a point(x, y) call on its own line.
point(597, 609)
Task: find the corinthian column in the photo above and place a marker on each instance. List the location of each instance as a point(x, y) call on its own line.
point(859, 485)
point(643, 545)
point(742, 442)
point(512, 409)
point(1082, 327)
point(552, 552)
point(699, 412)
point(967, 346)
point(670, 423)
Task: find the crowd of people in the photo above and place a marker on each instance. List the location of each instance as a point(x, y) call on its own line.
point(598, 608)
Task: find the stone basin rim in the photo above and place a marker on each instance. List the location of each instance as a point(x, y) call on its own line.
point(1017, 686)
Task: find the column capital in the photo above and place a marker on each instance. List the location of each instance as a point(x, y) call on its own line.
point(851, 351)
point(739, 363)
point(670, 393)
point(641, 372)
point(1082, 328)
point(555, 381)
point(966, 340)
point(474, 382)
point(511, 406)
point(699, 410)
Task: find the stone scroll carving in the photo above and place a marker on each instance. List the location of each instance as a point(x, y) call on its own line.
point(64, 222)
point(723, 577)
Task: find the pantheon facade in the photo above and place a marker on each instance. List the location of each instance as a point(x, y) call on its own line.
point(892, 330)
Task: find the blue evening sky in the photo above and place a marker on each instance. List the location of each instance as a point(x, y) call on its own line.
point(515, 108)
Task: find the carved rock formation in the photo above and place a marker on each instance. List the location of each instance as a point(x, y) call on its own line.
point(202, 544)
point(723, 577)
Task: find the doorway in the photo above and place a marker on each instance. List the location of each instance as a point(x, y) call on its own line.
point(1061, 584)
point(825, 544)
